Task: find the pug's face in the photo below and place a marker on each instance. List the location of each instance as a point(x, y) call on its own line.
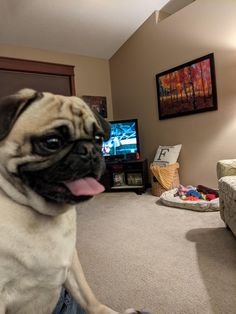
point(52, 144)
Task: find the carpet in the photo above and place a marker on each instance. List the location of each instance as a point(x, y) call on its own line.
point(138, 253)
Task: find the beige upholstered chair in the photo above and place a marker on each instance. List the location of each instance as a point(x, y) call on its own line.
point(226, 173)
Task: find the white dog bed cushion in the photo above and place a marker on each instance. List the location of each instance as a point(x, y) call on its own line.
point(168, 198)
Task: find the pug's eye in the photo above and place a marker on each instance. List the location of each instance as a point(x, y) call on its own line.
point(51, 143)
point(98, 139)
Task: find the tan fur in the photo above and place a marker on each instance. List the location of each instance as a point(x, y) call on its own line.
point(37, 238)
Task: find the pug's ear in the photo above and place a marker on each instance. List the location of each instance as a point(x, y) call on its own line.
point(11, 108)
point(103, 124)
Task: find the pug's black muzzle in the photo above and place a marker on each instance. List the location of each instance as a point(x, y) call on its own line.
point(83, 160)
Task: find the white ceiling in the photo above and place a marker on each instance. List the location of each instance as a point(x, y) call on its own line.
point(95, 28)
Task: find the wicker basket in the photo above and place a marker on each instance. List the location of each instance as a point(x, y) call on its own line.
point(157, 188)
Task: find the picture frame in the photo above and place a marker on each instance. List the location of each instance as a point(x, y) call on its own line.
point(118, 178)
point(187, 89)
point(134, 178)
point(98, 103)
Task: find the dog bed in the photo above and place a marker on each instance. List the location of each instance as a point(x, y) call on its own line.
point(168, 198)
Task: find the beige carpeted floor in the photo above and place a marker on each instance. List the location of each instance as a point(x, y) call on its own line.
point(138, 253)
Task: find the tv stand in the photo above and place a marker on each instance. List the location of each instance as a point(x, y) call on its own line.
point(126, 175)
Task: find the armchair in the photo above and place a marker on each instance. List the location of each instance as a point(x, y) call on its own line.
point(226, 174)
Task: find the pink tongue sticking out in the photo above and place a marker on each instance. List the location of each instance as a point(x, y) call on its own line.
point(85, 186)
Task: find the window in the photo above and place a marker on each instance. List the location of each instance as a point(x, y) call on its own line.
point(42, 76)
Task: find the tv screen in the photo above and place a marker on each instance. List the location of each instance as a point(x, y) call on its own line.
point(124, 140)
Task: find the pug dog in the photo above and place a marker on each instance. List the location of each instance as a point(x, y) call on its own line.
point(50, 160)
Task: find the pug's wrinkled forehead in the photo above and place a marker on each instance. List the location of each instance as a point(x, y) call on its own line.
point(48, 111)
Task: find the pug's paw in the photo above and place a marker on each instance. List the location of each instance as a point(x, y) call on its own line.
point(131, 311)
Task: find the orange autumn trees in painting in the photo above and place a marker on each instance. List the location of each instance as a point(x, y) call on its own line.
point(186, 89)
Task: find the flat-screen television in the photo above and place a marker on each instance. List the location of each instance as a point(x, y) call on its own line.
point(124, 140)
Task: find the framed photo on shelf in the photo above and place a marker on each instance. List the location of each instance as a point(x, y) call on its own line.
point(134, 178)
point(187, 89)
point(118, 178)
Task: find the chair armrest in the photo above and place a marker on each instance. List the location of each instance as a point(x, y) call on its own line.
point(226, 167)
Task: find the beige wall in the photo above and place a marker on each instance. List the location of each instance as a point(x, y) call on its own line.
point(92, 76)
point(203, 27)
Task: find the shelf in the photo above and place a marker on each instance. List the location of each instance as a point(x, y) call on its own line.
point(132, 174)
point(127, 187)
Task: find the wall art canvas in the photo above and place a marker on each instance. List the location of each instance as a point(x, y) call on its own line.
point(98, 103)
point(187, 89)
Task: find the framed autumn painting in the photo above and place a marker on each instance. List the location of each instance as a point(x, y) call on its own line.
point(187, 89)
